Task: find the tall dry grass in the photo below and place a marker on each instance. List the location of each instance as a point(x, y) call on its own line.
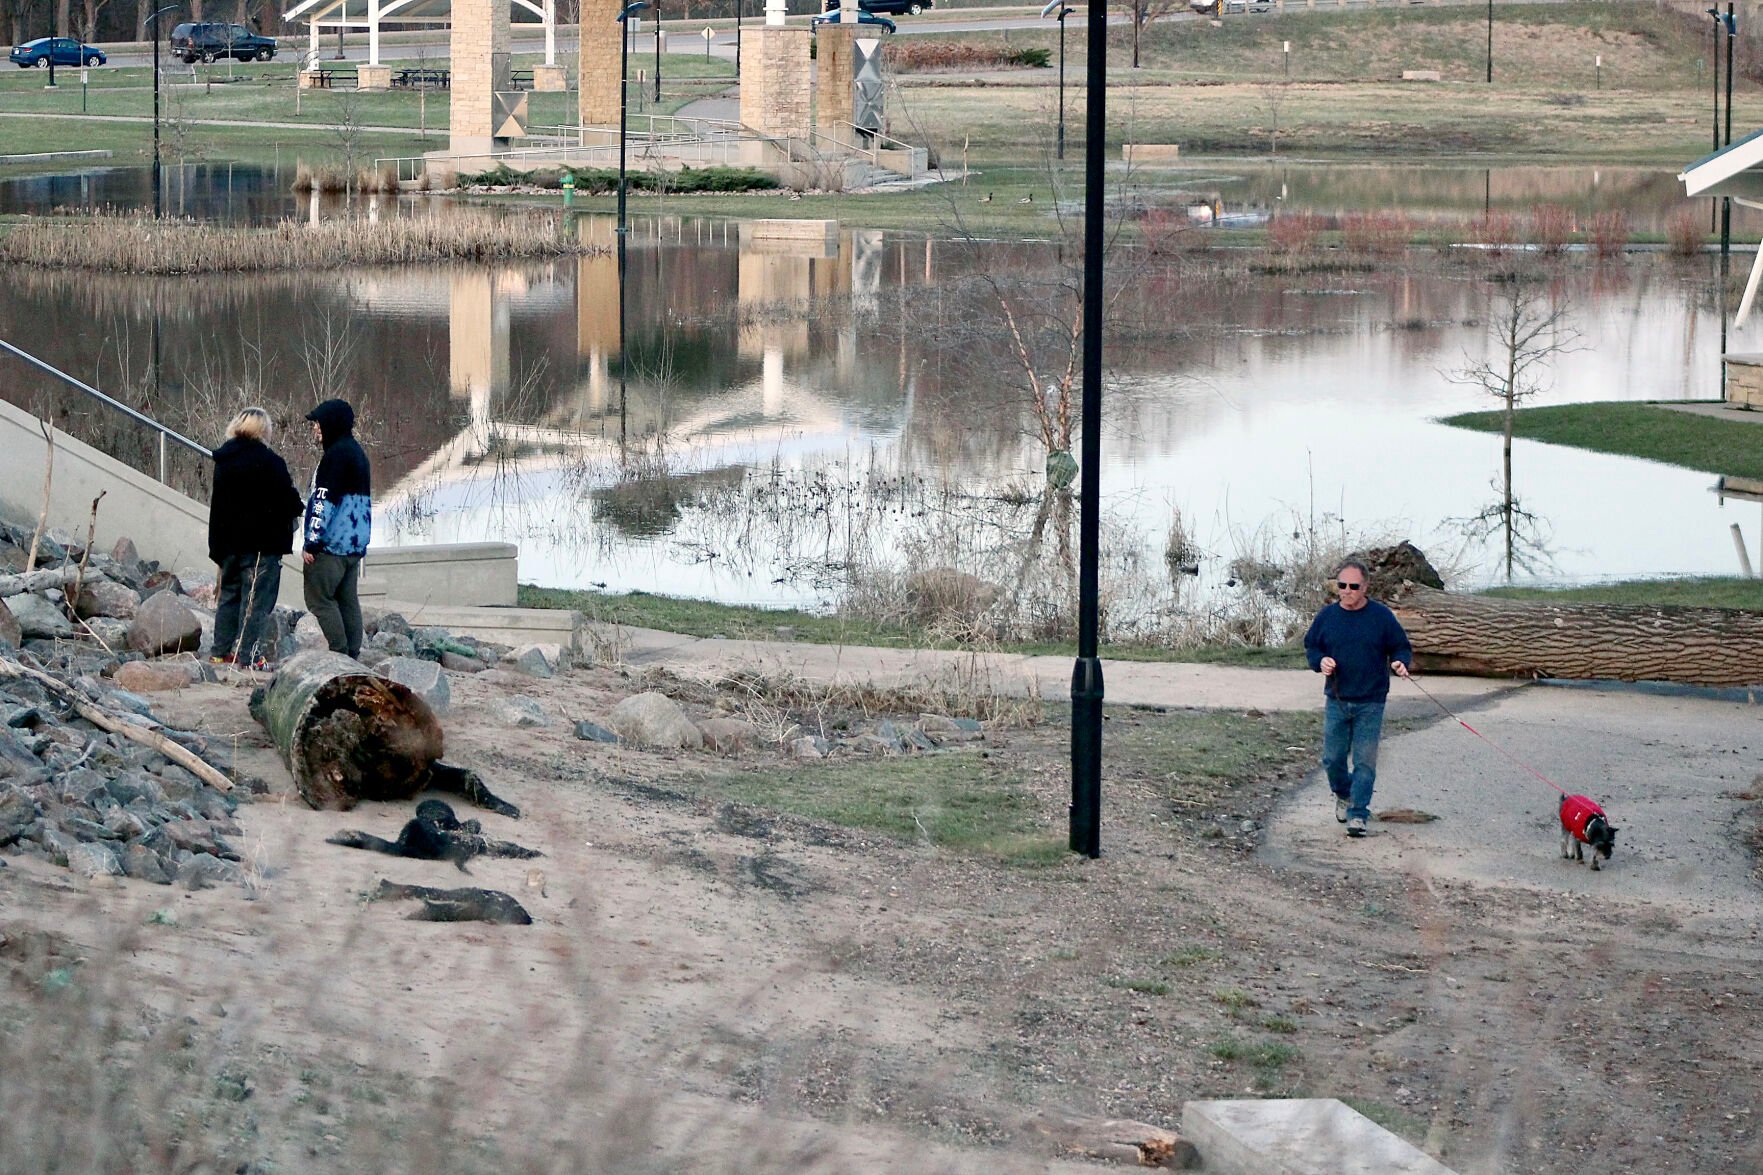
point(136, 244)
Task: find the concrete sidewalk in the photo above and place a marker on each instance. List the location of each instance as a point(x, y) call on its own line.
point(1130, 683)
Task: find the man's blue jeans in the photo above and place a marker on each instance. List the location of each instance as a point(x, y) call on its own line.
point(1352, 729)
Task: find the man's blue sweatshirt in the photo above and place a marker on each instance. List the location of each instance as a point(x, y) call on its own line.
point(1363, 642)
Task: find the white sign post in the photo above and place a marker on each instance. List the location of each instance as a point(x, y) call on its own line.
point(709, 35)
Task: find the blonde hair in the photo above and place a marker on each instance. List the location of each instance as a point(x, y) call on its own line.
point(253, 423)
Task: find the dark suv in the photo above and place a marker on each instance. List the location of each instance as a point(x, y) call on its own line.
point(207, 40)
point(891, 7)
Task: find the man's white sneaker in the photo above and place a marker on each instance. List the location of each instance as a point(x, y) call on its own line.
point(1356, 826)
point(1340, 810)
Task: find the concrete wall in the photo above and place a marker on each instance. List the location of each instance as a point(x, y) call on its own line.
point(447, 573)
point(777, 91)
point(1744, 380)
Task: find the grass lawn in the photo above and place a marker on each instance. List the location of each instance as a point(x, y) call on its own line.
point(1708, 592)
point(1732, 448)
point(735, 622)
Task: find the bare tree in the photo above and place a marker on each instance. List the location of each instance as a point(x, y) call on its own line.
point(1274, 96)
point(1529, 331)
point(1143, 13)
point(346, 128)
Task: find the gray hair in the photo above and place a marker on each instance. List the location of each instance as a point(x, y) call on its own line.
point(1355, 565)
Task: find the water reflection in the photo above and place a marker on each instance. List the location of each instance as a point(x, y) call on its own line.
point(789, 422)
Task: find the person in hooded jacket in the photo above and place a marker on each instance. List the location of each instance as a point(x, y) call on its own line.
point(251, 520)
point(339, 520)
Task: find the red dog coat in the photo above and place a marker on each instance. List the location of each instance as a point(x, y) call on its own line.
point(1576, 812)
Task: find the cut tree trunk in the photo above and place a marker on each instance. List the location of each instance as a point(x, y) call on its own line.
point(347, 734)
point(1119, 1140)
point(1619, 642)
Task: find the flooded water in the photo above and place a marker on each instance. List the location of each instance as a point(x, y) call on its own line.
point(792, 414)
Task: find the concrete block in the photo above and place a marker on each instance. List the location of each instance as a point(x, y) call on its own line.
point(1422, 75)
point(1744, 380)
point(484, 574)
point(550, 79)
point(1151, 154)
point(373, 77)
point(1298, 1136)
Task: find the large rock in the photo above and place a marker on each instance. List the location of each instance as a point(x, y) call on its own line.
point(538, 660)
point(164, 625)
point(37, 617)
point(943, 593)
point(10, 633)
point(654, 720)
point(307, 633)
point(94, 859)
point(145, 677)
point(728, 736)
point(124, 552)
point(426, 680)
point(520, 710)
point(105, 598)
point(113, 632)
point(17, 812)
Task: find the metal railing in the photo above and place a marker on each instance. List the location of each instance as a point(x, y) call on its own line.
point(166, 435)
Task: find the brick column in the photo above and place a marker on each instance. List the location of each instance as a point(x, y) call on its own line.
point(597, 100)
point(480, 69)
point(777, 94)
point(832, 88)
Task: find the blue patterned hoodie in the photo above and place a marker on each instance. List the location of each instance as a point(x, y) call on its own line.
point(339, 511)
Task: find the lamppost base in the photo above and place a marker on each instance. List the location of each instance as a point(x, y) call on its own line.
point(1086, 757)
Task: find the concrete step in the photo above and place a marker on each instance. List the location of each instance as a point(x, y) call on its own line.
point(1298, 1136)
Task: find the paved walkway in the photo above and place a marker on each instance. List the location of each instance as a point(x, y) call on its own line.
point(1133, 683)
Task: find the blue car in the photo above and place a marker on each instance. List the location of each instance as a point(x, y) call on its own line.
point(863, 18)
point(65, 51)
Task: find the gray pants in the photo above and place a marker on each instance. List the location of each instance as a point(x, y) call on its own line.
point(248, 588)
point(330, 597)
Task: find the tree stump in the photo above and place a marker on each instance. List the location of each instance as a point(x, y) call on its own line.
point(346, 733)
point(1617, 642)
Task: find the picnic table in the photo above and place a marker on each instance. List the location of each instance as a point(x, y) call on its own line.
point(430, 79)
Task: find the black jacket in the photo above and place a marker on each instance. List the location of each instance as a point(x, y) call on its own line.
point(339, 514)
point(255, 505)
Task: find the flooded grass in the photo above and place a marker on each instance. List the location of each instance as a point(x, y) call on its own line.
point(1733, 448)
point(135, 244)
point(1727, 591)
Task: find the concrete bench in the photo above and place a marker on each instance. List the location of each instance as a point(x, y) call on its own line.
point(1151, 154)
point(1422, 75)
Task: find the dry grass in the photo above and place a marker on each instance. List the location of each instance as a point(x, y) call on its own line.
point(135, 244)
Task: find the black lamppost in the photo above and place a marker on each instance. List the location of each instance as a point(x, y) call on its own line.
point(657, 50)
point(737, 41)
point(158, 209)
point(1059, 150)
point(1086, 674)
point(624, 55)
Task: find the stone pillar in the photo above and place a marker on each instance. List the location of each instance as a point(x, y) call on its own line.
point(597, 98)
point(480, 69)
point(836, 57)
point(777, 96)
point(549, 79)
point(373, 77)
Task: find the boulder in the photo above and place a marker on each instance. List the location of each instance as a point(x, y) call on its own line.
point(593, 732)
point(728, 736)
point(17, 812)
point(94, 859)
point(308, 635)
point(520, 710)
point(37, 617)
point(537, 660)
point(10, 633)
point(426, 679)
point(143, 864)
point(101, 597)
point(160, 581)
point(394, 644)
point(460, 663)
point(145, 677)
point(807, 747)
point(164, 625)
point(389, 623)
point(944, 593)
point(124, 552)
point(654, 720)
point(112, 632)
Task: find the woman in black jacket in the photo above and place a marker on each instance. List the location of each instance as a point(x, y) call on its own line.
point(251, 521)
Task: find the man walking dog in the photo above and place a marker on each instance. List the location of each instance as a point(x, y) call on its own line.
point(1355, 643)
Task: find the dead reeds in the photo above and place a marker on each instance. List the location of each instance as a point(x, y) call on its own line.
point(135, 244)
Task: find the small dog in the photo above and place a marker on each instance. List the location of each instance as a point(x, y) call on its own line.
point(1583, 823)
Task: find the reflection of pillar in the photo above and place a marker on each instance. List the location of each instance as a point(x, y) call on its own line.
point(480, 67)
point(833, 54)
point(771, 383)
point(777, 96)
point(767, 278)
point(477, 329)
point(596, 308)
point(597, 99)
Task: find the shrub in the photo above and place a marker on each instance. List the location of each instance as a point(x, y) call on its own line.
point(1294, 234)
point(1610, 232)
point(598, 181)
point(923, 55)
point(1684, 231)
point(1497, 230)
point(1030, 58)
point(1381, 233)
point(1551, 227)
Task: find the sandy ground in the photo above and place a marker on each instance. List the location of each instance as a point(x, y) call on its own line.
point(709, 985)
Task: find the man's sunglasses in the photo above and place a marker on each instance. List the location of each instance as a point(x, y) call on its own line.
point(1349, 587)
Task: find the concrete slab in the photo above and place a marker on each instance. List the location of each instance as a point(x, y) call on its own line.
point(1298, 1136)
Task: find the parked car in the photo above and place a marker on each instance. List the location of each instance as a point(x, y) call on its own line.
point(864, 17)
point(65, 51)
point(206, 40)
point(1220, 7)
point(890, 7)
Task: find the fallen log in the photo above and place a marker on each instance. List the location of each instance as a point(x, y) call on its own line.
point(38, 581)
point(103, 720)
point(1120, 1140)
point(347, 734)
point(456, 905)
point(1485, 636)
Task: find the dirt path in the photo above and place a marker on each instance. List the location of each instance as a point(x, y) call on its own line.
point(709, 983)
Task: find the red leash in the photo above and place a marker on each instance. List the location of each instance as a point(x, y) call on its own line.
point(1490, 742)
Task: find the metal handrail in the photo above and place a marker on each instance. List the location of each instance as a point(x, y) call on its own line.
point(165, 434)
